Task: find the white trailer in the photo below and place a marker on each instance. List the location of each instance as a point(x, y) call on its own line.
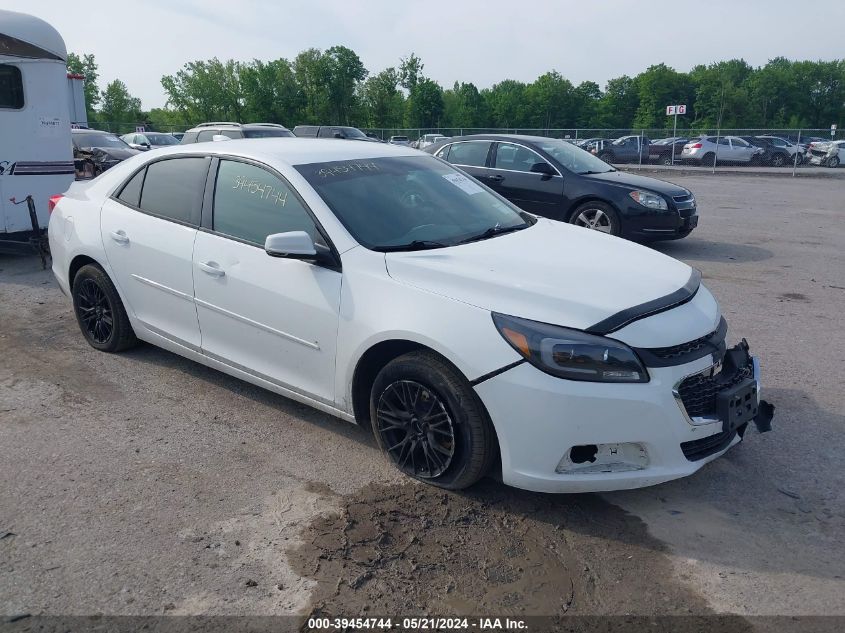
point(36, 151)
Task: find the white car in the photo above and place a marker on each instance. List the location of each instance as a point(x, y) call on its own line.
point(725, 149)
point(385, 287)
point(826, 153)
point(427, 140)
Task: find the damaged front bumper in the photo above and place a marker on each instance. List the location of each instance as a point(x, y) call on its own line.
point(565, 436)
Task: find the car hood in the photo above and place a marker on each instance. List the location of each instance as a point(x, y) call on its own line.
point(551, 272)
point(119, 153)
point(633, 181)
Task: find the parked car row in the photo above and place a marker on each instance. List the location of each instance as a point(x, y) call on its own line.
point(103, 149)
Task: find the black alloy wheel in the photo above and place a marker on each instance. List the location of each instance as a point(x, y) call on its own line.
point(94, 312)
point(416, 429)
point(100, 312)
point(429, 421)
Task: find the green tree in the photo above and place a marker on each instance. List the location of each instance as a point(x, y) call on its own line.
point(382, 101)
point(120, 108)
point(86, 65)
point(410, 71)
point(344, 71)
point(550, 102)
point(425, 104)
point(721, 96)
point(619, 103)
point(271, 93)
point(506, 102)
point(206, 90)
point(658, 87)
point(464, 107)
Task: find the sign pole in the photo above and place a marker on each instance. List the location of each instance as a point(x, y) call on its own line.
point(674, 136)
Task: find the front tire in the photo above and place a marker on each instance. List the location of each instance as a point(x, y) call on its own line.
point(597, 216)
point(607, 157)
point(430, 423)
point(100, 312)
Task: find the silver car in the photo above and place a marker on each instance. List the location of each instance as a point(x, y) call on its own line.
point(727, 149)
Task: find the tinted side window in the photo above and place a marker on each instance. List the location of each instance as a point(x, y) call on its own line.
point(328, 132)
point(190, 137)
point(232, 133)
point(11, 87)
point(250, 203)
point(443, 152)
point(173, 188)
point(472, 153)
point(206, 135)
point(131, 193)
point(516, 157)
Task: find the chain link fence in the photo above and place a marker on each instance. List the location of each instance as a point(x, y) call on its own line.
point(776, 149)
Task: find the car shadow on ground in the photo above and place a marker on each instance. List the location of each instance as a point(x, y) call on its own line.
point(150, 355)
point(696, 249)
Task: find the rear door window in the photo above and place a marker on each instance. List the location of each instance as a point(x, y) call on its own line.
point(131, 193)
point(173, 189)
point(206, 135)
point(470, 153)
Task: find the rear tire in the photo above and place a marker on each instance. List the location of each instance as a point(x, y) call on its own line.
point(100, 312)
point(430, 423)
point(666, 159)
point(709, 159)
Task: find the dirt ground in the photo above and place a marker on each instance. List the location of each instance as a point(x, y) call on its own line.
point(145, 484)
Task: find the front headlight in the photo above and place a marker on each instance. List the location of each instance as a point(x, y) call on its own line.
point(571, 354)
point(649, 200)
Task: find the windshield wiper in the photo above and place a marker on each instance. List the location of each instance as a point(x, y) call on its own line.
point(493, 231)
point(416, 245)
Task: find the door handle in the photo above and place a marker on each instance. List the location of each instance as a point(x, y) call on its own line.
point(211, 268)
point(496, 178)
point(120, 237)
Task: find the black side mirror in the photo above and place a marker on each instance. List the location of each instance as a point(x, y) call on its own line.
point(543, 168)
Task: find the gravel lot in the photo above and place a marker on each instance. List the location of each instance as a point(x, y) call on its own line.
point(143, 483)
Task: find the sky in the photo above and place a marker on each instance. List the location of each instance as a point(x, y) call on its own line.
point(482, 41)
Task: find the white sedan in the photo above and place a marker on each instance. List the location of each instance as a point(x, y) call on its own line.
point(385, 287)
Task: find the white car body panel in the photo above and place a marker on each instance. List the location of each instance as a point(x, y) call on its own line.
point(299, 329)
point(519, 278)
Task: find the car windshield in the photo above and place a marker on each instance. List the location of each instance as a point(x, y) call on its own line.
point(268, 133)
point(89, 140)
point(410, 202)
point(161, 139)
point(574, 158)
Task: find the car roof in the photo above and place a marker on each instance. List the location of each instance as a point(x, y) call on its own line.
point(293, 151)
point(503, 137)
point(90, 131)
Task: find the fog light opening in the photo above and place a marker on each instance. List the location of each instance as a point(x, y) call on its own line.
point(582, 454)
point(603, 458)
